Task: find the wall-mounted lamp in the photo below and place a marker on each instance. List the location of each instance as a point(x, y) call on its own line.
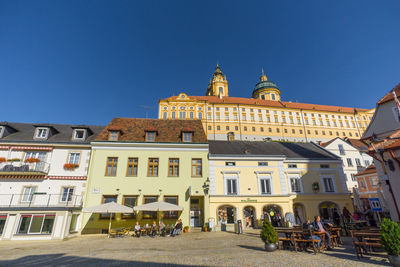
point(315, 187)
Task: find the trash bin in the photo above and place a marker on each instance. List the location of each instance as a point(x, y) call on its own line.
point(223, 227)
point(238, 227)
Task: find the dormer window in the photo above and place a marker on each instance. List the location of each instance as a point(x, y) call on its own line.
point(187, 136)
point(1, 131)
point(150, 136)
point(113, 136)
point(79, 134)
point(41, 133)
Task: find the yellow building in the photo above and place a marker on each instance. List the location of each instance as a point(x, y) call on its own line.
point(251, 180)
point(139, 161)
point(264, 115)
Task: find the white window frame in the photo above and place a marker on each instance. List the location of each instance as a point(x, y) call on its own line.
point(332, 177)
point(30, 196)
point(84, 134)
point(74, 156)
point(69, 195)
point(185, 136)
point(30, 223)
point(38, 129)
point(231, 176)
point(341, 150)
point(298, 178)
point(358, 162)
point(1, 131)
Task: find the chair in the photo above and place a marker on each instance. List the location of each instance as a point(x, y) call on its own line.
point(286, 239)
point(8, 168)
point(305, 239)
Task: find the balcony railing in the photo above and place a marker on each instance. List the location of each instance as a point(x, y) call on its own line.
point(40, 200)
point(22, 167)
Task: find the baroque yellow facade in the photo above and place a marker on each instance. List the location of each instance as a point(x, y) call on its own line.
point(264, 115)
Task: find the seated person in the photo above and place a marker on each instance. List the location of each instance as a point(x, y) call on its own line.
point(162, 228)
point(177, 228)
point(319, 226)
point(308, 226)
point(154, 229)
point(137, 229)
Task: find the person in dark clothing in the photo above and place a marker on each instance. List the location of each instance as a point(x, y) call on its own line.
point(319, 226)
point(177, 228)
point(162, 228)
point(154, 229)
point(308, 226)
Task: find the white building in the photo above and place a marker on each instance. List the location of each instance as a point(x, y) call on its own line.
point(383, 135)
point(354, 157)
point(43, 172)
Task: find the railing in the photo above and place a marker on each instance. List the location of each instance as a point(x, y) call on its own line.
point(18, 167)
point(40, 200)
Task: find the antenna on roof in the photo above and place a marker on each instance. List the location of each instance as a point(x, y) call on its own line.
point(147, 108)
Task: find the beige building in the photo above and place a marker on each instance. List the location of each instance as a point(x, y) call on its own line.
point(251, 180)
point(263, 115)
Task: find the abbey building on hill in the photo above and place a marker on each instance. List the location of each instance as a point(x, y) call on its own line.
point(263, 115)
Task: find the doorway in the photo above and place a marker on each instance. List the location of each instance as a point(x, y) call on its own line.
point(196, 212)
point(249, 215)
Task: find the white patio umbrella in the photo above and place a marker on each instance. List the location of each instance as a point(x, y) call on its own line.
point(158, 206)
point(110, 207)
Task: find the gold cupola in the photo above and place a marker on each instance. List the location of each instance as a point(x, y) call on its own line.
point(218, 85)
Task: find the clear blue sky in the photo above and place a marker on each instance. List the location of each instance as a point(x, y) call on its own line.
point(89, 61)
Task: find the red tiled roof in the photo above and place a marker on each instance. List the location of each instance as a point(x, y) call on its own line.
point(114, 128)
point(369, 170)
point(389, 96)
point(360, 145)
point(270, 103)
point(168, 130)
point(187, 129)
point(151, 129)
point(393, 141)
point(327, 143)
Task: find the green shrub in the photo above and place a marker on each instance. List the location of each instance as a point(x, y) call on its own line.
point(390, 237)
point(268, 233)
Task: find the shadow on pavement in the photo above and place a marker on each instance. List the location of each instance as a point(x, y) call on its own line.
point(252, 247)
point(62, 260)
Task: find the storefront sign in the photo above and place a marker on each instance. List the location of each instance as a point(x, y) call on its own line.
point(249, 200)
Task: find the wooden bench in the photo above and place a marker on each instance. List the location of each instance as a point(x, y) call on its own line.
point(364, 241)
point(305, 239)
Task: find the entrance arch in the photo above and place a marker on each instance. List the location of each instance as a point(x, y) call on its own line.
point(299, 211)
point(274, 212)
point(226, 214)
point(329, 211)
point(249, 216)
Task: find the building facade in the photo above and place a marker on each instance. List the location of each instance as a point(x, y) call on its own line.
point(43, 176)
point(139, 161)
point(383, 136)
point(264, 115)
point(354, 159)
point(257, 179)
point(368, 184)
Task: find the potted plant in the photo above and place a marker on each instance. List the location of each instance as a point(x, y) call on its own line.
point(390, 240)
point(269, 236)
point(14, 160)
point(206, 227)
point(3, 160)
point(186, 229)
point(70, 166)
point(32, 160)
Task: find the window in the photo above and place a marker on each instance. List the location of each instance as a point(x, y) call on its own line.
point(150, 136)
point(182, 114)
point(150, 214)
point(328, 184)
point(173, 116)
point(353, 178)
point(129, 201)
point(270, 130)
point(112, 163)
point(74, 158)
point(209, 128)
point(37, 155)
point(200, 115)
point(362, 184)
point(191, 115)
point(187, 137)
point(245, 128)
point(374, 181)
point(171, 214)
point(227, 128)
point(107, 199)
point(292, 166)
point(358, 162)
point(261, 129)
point(197, 167)
point(301, 131)
point(273, 96)
point(341, 149)
point(227, 117)
point(285, 130)
point(293, 131)
point(236, 128)
point(79, 134)
point(366, 162)
point(265, 185)
point(113, 136)
point(132, 169)
point(253, 129)
point(349, 162)
point(3, 218)
point(308, 132)
point(41, 132)
point(27, 195)
point(231, 186)
point(165, 115)
point(295, 184)
point(36, 224)
point(173, 167)
point(324, 166)
point(1, 135)
point(67, 194)
point(262, 163)
point(227, 163)
point(277, 130)
point(218, 128)
point(153, 167)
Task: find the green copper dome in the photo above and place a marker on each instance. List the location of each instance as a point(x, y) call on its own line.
point(264, 85)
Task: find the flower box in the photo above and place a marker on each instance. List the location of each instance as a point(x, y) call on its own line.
point(2, 160)
point(70, 166)
point(14, 160)
point(32, 160)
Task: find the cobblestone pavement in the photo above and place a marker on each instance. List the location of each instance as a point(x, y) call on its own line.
point(205, 249)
